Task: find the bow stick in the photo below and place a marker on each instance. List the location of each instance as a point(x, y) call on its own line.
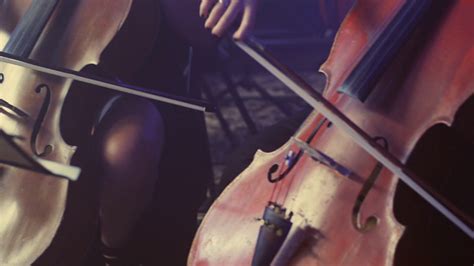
point(124, 88)
point(323, 106)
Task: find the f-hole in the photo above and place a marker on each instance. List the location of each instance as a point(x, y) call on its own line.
point(39, 122)
point(371, 221)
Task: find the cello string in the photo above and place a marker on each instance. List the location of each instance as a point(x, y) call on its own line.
point(277, 187)
point(272, 195)
point(310, 138)
point(290, 185)
point(275, 191)
point(322, 105)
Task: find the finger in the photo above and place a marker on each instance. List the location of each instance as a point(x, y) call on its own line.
point(205, 7)
point(216, 14)
point(226, 20)
point(248, 21)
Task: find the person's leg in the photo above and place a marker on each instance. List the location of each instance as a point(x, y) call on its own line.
point(129, 141)
point(119, 169)
point(164, 234)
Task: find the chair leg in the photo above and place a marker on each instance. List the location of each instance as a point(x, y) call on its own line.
point(249, 83)
point(223, 123)
point(232, 89)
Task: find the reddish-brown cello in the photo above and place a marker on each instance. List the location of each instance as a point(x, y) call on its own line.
point(396, 69)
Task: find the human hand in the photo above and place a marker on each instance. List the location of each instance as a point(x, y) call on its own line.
point(222, 13)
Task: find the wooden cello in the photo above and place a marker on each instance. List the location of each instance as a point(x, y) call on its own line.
point(396, 69)
point(69, 35)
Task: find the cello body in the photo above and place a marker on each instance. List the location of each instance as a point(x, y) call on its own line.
point(32, 205)
point(340, 219)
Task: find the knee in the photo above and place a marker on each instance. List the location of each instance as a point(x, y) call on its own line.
point(132, 135)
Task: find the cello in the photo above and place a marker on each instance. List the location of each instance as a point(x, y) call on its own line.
point(396, 69)
point(69, 35)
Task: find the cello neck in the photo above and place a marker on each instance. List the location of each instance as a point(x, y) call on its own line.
point(28, 30)
point(366, 73)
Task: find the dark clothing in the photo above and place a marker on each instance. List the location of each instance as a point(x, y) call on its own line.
point(164, 234)
point(185, 167)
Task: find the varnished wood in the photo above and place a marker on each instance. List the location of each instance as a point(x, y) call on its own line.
point(10, 14)
point(423, 86)
point(32, 205)
point(26, 33)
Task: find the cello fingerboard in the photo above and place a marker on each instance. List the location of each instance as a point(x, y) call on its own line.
point(364, 76)
point(28, 30)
